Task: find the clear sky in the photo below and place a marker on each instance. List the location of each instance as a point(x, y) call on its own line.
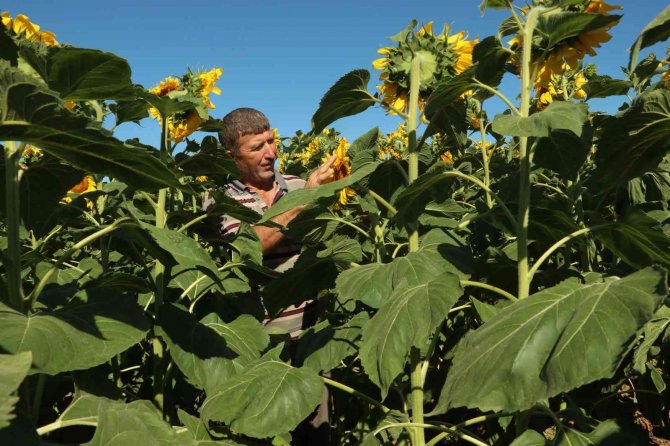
point(279, 56)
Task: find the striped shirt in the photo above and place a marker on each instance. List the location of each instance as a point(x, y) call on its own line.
point(294, 318)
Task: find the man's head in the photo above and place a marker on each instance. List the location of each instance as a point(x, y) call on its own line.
point(248, 139)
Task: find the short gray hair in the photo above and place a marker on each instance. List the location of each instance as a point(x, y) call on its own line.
point(240, 122)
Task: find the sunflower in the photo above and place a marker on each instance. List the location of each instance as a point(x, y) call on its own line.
point(447, 158)
point(571, 80)
point(32, 152)
point(207, 80)
point(342, 165)
point(569, 52)
point(394, 144)
point(22, 26)
point(451, 55)
point(87, 184)
point(180, 127)
point(666, 74)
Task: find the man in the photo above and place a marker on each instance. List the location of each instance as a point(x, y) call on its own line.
point(249, 140)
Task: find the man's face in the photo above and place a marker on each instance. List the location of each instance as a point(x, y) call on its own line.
point(256, 157)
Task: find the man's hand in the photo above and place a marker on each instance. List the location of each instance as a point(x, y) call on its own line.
point(323, 174)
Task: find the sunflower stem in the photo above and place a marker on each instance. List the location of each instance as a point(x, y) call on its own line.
point(416, 363)
point(12, 203)
point(523, 217)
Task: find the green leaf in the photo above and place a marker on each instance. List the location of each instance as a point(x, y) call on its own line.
point(245, 336)
point(563, 25)
point(13, 368)
point(129, 111)
point(563, 152)
point(310, 195)
point(557, 116)
point(138, 422)
point(199, 351)
point(208, 164)
point(656, 31)
point(34, 115)
point(491, 58)
point(448, 91)
point(42, 188)
point(604, 86)
point(406, 319)
point(363, 150)
point(169, 105)
point(313, 271)
point(653, 330)
point(637, 239)
point(8, 49)
point(412, 201)
point(349, 96)
point(609, 432)
point(118, 281)
point(79, 336)
point(225, 204)
point(268, 398)
point(494, 4)
point(530, 438)
point(80, 74)
point(185, 250)
point(324, 346)
point(634, 141)
point(372, 284)
point(551, 342)
point(387, 435)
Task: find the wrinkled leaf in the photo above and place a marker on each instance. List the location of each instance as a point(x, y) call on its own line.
point(557, 116)
point(551, 342)
point(406, 319)
point(348, 96)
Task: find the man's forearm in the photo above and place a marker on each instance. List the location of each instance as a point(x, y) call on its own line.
point(271, 237)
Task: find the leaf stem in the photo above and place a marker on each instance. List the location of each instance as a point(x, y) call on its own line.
point(61, 424)
point(355, 393)
point(560, 243)
point(488, 287)
point(447, 432)
point(32, 297)
point(495, 91)
point(392, 210)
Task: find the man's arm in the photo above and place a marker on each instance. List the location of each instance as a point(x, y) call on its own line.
point(271, 237)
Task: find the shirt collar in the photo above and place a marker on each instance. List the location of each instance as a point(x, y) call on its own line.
point(239, 186)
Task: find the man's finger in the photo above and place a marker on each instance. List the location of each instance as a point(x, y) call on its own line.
point(325, 166)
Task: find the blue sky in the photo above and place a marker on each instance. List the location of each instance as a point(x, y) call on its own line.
point(277, 56)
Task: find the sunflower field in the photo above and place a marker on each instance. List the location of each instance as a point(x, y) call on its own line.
point(482, 279)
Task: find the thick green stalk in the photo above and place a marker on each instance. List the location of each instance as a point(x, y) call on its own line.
point(485, 161)
point(416, 364)
point(524, 156)
point(12, 203)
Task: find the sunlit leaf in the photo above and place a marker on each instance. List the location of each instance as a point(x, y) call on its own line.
point(255, 402)
point(656, 31)
point(551, 342)
point(13, 368)
point(78, 336)
point(348, 96)
point(557, 116)
point(406, 319)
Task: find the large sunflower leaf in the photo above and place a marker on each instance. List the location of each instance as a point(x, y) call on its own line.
point(79, 336)
point(84, 74)
point(32, 114)
point(199, 351)
point(348, 96)
point(551, 342)
point(138, 422)
point(313, 271)
point(557, 116)
point(604, 86)
point(563, 25)
point(406, 319)
point(13, 368)
point(634, 141)
point(324, 346)
point(256, 402)
point(656, 31)
point(637, 239)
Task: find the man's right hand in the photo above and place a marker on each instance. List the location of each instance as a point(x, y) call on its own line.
point(323, 174)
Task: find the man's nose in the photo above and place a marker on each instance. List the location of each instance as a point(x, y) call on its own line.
point(269, 151)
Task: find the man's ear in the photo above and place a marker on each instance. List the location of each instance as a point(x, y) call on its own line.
point(230, 153)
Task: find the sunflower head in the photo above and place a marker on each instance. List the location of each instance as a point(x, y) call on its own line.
point(443, 56)
point(22, 26)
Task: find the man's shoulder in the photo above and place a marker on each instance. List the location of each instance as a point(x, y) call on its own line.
point(293, 182)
